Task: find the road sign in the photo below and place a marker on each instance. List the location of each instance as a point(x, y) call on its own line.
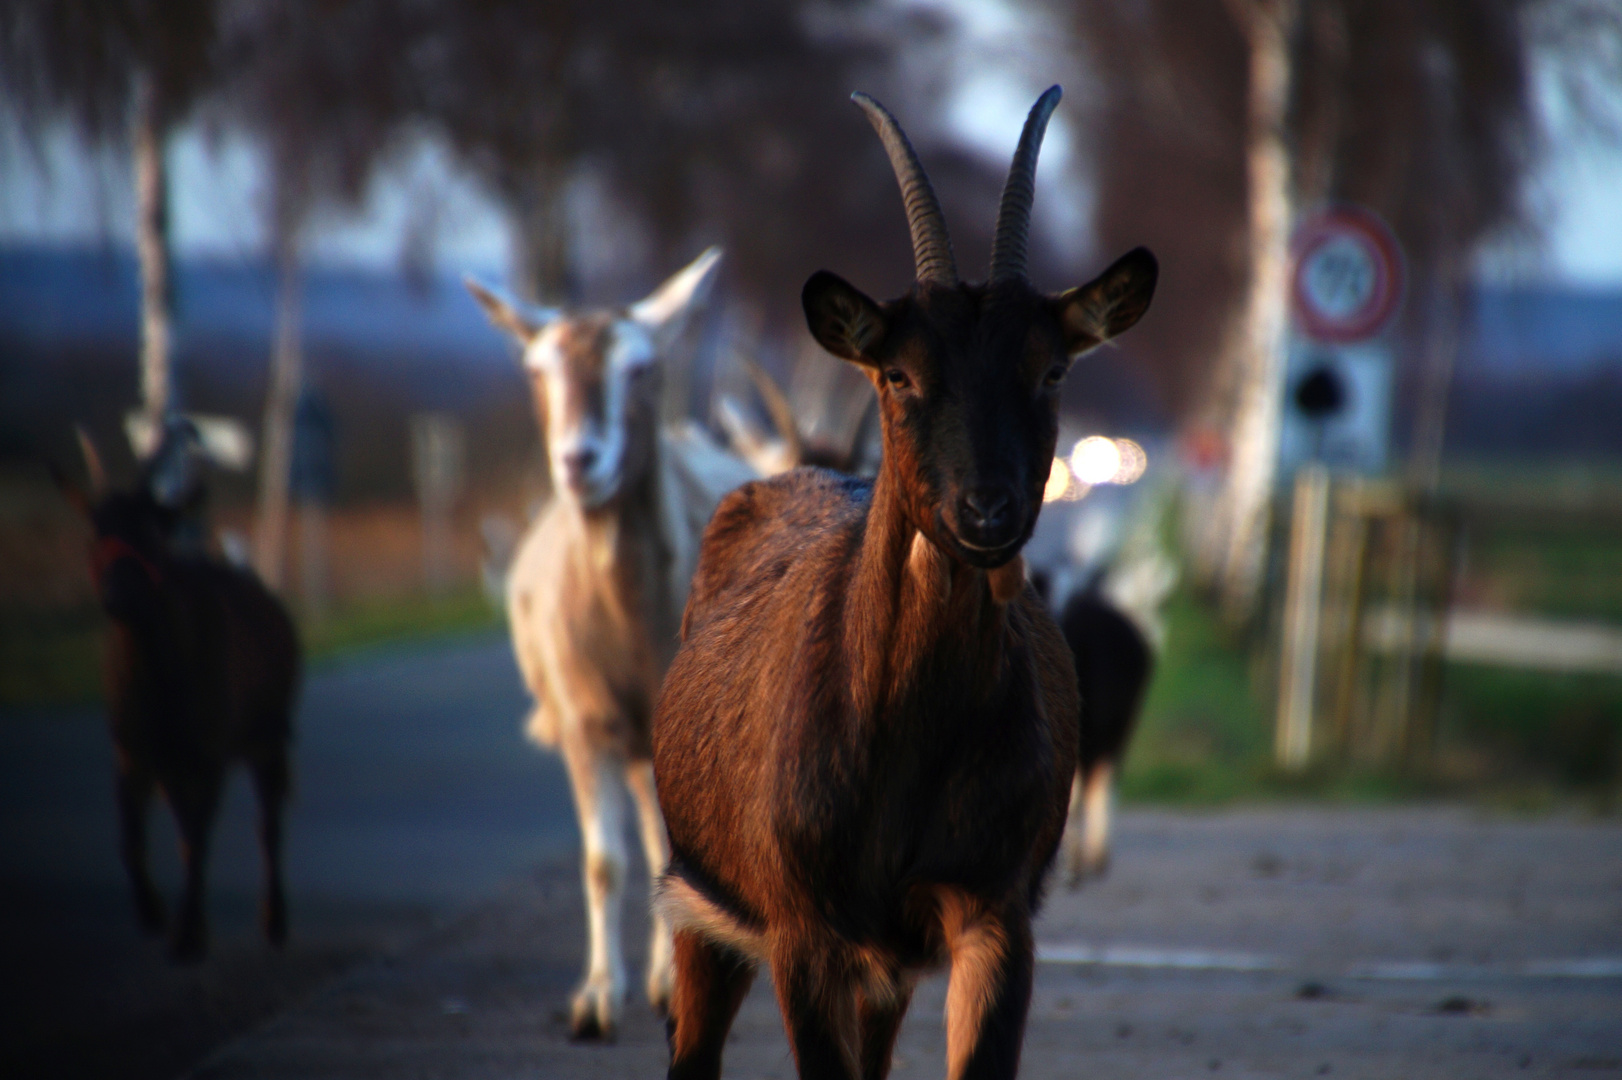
point(1348, 275)
point(1337, 406)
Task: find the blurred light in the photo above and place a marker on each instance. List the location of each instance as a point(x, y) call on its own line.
point(1062, 485)
point(1133, 462)
point(1095, 460)
point(1058, 482)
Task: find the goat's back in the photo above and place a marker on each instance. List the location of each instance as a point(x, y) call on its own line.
point(1113, 663)
point(209, 673)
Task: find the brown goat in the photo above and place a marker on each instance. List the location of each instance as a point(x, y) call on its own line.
point(201, 671)
point(865, 745)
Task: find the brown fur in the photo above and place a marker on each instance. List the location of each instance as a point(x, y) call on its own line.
point(865, 745)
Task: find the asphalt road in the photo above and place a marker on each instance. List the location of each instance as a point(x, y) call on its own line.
point(415, 795)
point(1270, 942)
point(437, 924)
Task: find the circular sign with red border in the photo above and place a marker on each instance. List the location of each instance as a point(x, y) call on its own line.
point(1348, 275)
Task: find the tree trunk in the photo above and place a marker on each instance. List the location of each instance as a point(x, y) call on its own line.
point(152, 250)
point(1256, 354)
point(1442, 314)
point(286, 377)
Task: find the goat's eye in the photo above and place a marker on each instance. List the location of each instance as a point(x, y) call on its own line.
point(897, 378)
point(1055, 375)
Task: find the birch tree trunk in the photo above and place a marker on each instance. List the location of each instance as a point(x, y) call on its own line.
point(1256, 351)
point(286, 378)
point(152, 251)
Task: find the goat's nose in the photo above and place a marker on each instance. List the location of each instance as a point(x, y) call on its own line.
point(579, 460)
point(987, 510)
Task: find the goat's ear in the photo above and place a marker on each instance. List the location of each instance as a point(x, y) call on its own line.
point(506, 315)
point(665, 310)
point(842, 318)
point(1109, 304)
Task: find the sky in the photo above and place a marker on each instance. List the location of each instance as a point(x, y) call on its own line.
point(61, 192)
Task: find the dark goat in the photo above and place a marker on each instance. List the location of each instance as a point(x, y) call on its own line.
point(1113, 665)
point(865, 746)
point(201, 669)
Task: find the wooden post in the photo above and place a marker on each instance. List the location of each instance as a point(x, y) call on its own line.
point(1303, 607)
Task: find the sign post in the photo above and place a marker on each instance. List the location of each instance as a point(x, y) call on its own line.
point(1346, 283)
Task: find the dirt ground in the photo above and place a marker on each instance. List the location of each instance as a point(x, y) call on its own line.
point(1273, 942)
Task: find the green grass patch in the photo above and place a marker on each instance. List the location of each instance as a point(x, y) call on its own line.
point(1515, 740)
point(397, 619)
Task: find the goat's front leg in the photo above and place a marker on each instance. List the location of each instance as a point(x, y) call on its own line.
point(134, 790)
point(656, 849)
point(598, 779)
point(989, 990)
point(710, 983)
point(195, 801)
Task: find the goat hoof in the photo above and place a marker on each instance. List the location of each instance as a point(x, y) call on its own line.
point(149, 910)
point(273, 920)
point(593, 1012)
point(587, 1028)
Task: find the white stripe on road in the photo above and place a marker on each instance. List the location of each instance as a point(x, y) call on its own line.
point(1147, 957)
point(1140, 956)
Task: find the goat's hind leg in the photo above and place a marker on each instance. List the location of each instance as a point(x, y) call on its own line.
point(134, 792)
point(656, 849)
point(880, 1019)
point(709, 986)
point(819, 1006)
point(271, 782)
point(1087, 831)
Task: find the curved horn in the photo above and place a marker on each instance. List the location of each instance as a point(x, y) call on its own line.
point(92, 462)
point(1014, 215)
point(931, 247)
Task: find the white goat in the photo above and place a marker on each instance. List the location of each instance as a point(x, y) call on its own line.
point(596, 587)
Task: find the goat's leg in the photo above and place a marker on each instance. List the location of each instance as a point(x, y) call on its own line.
point(1100, 805)
point(270, 779)
point(819, 1014)
point(988, 992)
point(656, 849)
point(1075, 823)
point(601, 802)
point(710, 983)
point(195, 802)
point(134, 791)
point(880, 1021)
point(1087, 830)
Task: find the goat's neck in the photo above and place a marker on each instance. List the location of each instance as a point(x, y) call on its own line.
point(908, 600)
point(619, 547)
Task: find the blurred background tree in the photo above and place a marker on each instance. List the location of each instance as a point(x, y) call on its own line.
point(122, 71)
point(1421, 111)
